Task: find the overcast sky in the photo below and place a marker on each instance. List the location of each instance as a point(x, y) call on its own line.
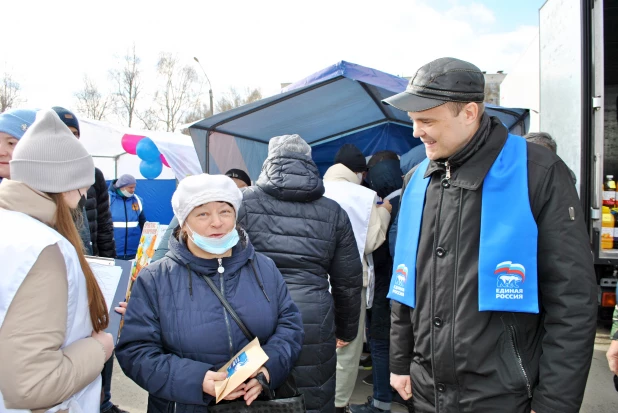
point(48, 46)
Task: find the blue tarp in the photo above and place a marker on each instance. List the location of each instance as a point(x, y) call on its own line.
point(337, 105)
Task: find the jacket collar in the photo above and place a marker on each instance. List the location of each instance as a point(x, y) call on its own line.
point(19, 197)
point(340, 172)
point(472, 173)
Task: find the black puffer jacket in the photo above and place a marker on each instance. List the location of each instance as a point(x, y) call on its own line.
point(99, 218)
point(308, 237)
point(465, 360)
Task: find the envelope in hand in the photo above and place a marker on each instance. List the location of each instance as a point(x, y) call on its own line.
point(240, 368)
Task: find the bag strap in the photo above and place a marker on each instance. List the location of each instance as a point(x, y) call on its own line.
point(220, 296)
point(228, 307)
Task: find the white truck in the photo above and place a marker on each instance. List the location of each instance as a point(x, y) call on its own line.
point(578, 58)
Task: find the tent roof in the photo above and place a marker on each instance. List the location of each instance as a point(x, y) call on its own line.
point(337, 101)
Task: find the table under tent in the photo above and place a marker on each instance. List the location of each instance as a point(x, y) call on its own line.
point(340, 104)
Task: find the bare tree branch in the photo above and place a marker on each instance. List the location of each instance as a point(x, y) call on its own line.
point(91, 102)
point(10, 92)
point(128, 85)
point(178, 93)
point(149, 119)
point(234, 99)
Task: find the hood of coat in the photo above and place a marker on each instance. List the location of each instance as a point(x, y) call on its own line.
point(385, 177)
point(241, 254)
point(340, 172)
point(292, 177)
point(19, 197)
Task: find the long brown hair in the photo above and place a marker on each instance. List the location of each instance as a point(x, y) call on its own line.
point(66, 227)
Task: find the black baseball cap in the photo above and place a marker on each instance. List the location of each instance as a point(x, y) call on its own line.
point(444, 80)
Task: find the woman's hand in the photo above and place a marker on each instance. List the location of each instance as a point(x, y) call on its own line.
point(208, 385)
point(122, 308)
point(107, 342)
point(253, 387)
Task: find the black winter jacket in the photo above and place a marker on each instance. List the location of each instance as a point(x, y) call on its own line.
point(309, 237)
point(99, 218)
point(463, 360)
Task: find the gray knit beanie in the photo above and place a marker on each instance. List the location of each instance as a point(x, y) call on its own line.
point(125, 180)
point(289, 143)
point(50, 159)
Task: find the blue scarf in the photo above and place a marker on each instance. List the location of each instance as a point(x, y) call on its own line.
point(507, 271)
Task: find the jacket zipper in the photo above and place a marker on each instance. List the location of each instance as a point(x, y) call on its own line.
point(448, 171)
point(227, 321)
point(520, 362)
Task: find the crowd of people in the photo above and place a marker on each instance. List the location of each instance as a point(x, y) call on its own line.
point(464, 264)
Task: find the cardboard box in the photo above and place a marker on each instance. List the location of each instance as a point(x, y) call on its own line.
point(240, 368)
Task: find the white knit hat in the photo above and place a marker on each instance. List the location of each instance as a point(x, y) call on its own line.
point(197, 190)
point(49, 158)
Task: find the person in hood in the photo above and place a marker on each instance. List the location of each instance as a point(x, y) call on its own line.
point(494, 291)
point(127, 211)
point(100, 227)
point(310, 239)
point(369, 220)
point(177, 334)
point(52, 311)
point(412, 158)
point(384, 177)
point(13, 124)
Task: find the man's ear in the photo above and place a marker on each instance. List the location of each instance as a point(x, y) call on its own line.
point(471, 113)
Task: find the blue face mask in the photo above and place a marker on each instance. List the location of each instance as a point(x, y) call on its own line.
point(216, 246)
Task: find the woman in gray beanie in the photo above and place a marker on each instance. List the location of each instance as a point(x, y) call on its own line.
point(52, 312)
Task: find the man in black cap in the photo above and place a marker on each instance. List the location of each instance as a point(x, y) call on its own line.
point(494, 293)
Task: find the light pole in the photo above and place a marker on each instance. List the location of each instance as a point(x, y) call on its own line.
point(212, 108)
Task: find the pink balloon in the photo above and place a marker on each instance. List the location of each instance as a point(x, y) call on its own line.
point(165, 161)
point(129, 143)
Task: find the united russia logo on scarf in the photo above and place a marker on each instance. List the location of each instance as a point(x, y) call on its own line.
point(509, 282)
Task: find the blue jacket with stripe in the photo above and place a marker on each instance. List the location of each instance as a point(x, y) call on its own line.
point(129, 219)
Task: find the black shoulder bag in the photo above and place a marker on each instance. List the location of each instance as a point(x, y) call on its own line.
point(285, 399)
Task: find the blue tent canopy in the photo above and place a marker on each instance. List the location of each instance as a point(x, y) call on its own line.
point(337, 105)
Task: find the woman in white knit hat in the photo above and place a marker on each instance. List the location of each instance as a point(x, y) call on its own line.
point(52, 312)
point(176, 332)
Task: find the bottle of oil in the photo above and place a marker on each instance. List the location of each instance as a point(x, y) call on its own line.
point(607, 229)
point(609, 191)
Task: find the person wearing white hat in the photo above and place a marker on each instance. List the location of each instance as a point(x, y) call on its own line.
point(177, 334)
point(52, 312)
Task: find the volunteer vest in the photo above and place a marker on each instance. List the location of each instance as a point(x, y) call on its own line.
point(507, 269)
point(357, 201)
point(24, 240)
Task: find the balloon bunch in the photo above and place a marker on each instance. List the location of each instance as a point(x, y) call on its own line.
point(152, 160)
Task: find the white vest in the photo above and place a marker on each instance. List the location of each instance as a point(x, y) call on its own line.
point(358, 202)
point(23, 241)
